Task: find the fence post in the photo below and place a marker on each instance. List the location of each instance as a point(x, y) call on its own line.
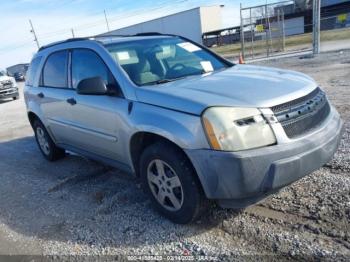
point(283, 33)
point(316, 26)
point(252, 34)
point(242, 33)
point(267, 37)
point(279, 30)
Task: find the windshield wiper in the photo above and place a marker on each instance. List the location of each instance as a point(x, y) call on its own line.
point(167, 80)
point(163, 81)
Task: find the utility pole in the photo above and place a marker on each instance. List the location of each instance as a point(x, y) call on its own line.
point(33, 32)
point(73, 33)
point(106, 20)
point(316, 26)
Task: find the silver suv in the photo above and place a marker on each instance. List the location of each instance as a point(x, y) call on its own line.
point(191, 125)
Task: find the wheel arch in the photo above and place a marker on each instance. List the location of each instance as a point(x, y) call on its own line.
point(32, 117)
point(141, 140)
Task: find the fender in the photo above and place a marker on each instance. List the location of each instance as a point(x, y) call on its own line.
point(184, 130)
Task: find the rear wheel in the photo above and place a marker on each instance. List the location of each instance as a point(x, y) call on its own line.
point(170, 180)
point(15, 97)
point(47, 147)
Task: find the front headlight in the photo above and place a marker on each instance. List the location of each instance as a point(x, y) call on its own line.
point(234, 129)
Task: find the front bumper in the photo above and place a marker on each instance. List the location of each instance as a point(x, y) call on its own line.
point(239, 179)
point(9, 93)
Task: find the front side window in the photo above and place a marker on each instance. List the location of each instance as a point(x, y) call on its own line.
point(55, 70)
point(32, 70)
point(87, 64)
point(157, 60)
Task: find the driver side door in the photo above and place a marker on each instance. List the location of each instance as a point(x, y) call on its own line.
point(97, 119)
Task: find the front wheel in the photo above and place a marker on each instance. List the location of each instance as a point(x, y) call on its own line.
point(171, 182)
point(47, 147)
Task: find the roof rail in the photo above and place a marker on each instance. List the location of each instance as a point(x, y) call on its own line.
point(138, 34)
point(100, 36)
point(149, 34)
point(64, 41)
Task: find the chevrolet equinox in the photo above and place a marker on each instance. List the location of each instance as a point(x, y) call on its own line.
point(194, 127)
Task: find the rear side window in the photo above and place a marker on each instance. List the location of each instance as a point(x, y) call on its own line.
point(32, 70)
point(87, 64)
point(55, 70)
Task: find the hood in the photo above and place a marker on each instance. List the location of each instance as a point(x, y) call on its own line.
point(238, 86)
point(5, 78)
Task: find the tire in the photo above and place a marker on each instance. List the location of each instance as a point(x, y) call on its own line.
point(47, 147)
point(15, 97)
point(162, 187)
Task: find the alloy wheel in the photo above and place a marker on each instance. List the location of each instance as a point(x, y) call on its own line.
point(165, 185)
point(42, 140)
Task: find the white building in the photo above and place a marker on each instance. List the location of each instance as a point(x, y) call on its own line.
point(190, 23)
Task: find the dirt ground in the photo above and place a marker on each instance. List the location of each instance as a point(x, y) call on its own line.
point(81, 208)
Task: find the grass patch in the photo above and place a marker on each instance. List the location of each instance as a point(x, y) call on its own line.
point(291, 43)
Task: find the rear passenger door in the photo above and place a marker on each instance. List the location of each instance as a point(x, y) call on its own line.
point(98, 119)
point(53, 94)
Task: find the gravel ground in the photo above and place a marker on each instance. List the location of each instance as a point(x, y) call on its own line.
point(77, 207)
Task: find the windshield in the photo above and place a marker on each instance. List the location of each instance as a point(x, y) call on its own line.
point(160, 60)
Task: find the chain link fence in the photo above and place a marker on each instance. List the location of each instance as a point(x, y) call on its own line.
point(272, 29)
point(287, 26)
point(335, 27)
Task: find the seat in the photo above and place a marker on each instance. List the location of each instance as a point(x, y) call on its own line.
point(141, 72)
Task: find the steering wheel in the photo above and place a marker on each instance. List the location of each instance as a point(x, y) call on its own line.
point(175, 69)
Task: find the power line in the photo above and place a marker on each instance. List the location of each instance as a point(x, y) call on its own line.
point(133, 14)
point(101, 21)
point(83, 27)
point(113, 18)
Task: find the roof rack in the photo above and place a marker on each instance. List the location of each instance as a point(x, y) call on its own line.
point(138, 34)
point(100, 36)
point(149, 34)
point(64, 41)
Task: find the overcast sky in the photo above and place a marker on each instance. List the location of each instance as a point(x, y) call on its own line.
point(53, 20)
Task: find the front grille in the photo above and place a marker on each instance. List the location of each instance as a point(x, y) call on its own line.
point(300, 116)
point(5, 84)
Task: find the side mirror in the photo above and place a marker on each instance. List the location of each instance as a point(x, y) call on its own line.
point(92, 86)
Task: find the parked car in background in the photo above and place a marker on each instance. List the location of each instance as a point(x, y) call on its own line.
point(8, 87)
point(193, 126)
point(19, 76)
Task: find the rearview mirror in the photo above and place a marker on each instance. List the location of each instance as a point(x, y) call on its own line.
point(92, 86)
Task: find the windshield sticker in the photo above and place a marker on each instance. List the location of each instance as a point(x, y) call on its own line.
point(189, 47)
point(207, 66)
point(123, 55)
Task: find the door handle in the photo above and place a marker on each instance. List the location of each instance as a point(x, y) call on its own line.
point(41, 95)
point(71, 101)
